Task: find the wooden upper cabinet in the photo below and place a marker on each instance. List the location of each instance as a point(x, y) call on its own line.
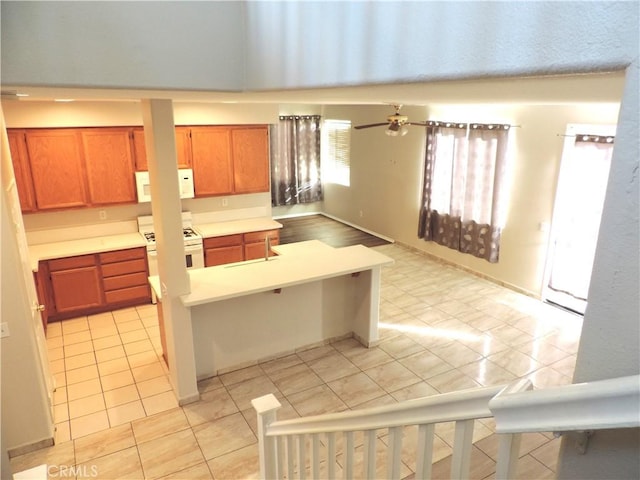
point(250, 146)
point(109, 159)
point(21, 169)
point(212, 160)
point(183, 148)
point(57, 168)
point(139, 150)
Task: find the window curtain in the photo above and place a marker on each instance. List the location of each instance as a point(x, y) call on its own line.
point(464, 187)
point(295, 160)
point(580, 204)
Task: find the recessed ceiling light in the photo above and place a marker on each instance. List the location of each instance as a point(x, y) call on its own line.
point(63, 100)
point(22, 94)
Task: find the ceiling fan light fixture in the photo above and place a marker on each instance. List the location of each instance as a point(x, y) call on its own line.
point(396, 130)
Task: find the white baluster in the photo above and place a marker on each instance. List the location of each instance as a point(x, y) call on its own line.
point(265, 408)
point(302, 457)
point(508, 452)
point(394, 453)
point(348, 455)
point(315, 466)
point(424, 454)
point(331, 455)
point(290, 457)
point(462, 445)
point(370, 454)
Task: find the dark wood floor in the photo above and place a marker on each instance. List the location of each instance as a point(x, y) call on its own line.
point(331, 232)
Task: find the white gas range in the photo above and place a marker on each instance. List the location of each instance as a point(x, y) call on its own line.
point(194, 252)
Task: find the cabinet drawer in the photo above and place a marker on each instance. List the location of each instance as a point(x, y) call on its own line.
point(121, 255)
point(127, 294)
point(222, 255)
point(125, 281)
point(253, 237)
point(122, 268)
point(225, 241)
point(72, 262)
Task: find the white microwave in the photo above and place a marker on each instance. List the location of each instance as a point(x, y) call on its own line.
point(185, 177)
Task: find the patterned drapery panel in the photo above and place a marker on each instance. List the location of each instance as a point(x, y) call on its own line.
point(463, 195)
point(295, 160)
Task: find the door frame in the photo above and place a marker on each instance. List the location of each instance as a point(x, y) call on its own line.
point(574, 305)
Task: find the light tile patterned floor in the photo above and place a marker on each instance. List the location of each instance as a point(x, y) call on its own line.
point(442, 330)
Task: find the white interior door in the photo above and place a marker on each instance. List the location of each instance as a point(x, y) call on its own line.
point(582, 185)
point(27, 279)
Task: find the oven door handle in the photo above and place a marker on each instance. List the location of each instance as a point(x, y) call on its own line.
point(192, 248)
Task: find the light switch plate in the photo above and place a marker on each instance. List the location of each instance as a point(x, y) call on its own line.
point(4, 329)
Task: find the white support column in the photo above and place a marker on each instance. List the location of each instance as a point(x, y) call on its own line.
point(160, 145)
point(266, 407)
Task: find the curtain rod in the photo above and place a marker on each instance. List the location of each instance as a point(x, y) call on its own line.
point(438, 123)
point(581, 137)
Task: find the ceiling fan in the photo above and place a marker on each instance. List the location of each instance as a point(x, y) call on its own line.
point(396, 124)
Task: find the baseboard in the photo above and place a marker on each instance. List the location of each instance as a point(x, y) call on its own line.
point(296, 215)
point(358, 227)
point(30, 447)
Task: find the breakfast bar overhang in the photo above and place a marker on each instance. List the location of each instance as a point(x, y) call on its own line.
point(308, 294)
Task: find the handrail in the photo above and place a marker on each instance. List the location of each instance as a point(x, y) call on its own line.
point(460, 405)
point(611, 403)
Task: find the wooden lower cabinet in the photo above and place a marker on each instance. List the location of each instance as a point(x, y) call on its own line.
point(255, 245)
point(221, 250)
point(75, 284)
point(88, 284)
point(124, 276)
point(238, 248)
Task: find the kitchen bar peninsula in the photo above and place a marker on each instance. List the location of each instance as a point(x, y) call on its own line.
point(308, 294)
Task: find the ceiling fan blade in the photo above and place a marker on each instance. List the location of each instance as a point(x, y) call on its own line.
point(371, 125)
point(421, 124)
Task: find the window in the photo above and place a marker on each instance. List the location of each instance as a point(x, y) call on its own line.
point(336, 152)
point(464, 187)
point(295, 160)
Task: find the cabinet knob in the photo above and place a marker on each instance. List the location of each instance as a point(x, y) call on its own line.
point(39, 308)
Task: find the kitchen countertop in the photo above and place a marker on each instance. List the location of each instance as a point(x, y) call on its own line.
point(71, 248)
point(295, 264)
point(106, 243)
point(234, 227)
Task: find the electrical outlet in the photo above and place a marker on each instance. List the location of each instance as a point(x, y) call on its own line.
point(102, 214)
point(225, 202)
point(4, 329)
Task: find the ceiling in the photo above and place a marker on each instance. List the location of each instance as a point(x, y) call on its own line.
point(558, 89)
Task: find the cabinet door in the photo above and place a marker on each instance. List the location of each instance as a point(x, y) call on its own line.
point(110, 170)
point(183, 148)
point(255, 243)
point(76, 289)
point(223, 255)
point(212, 163)
point(250, 146)
point(21, 169)
point(139, 150)
point(57, 168)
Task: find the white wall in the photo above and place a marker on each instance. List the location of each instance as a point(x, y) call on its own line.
point(167, 45)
